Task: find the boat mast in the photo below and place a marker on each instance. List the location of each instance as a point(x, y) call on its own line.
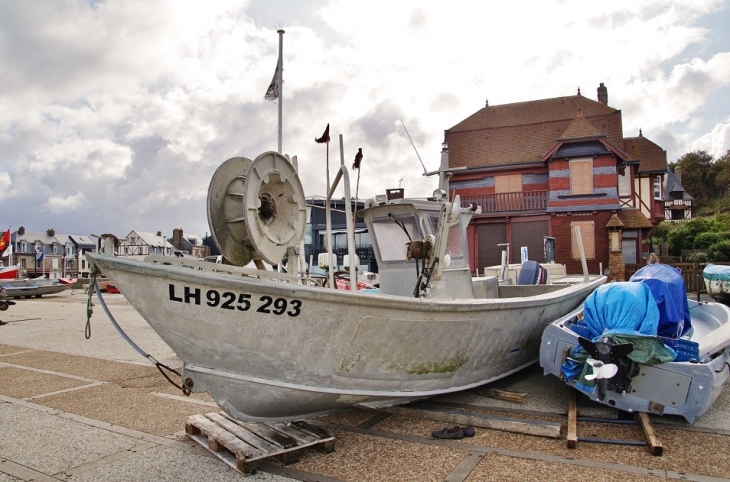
point(280, 81)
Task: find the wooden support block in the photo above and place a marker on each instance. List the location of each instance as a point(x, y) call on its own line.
point(529, 427)
point(246, 468)
point(287, 458)
point(327, 447)
point(502, 395)
point(191, 429)
point(572, 437)
point(655, 446)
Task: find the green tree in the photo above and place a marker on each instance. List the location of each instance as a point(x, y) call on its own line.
point(697, 178)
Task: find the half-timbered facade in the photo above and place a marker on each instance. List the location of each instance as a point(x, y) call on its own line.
point(539, 169)
point(141, 243)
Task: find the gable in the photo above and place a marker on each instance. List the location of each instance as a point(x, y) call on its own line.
point(652, 157)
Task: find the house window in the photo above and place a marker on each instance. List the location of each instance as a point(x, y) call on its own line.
point(624, 183)
point(55, 249)
point(22, 247)
point(503, 184)
point(588, 235)
point(658, 188)
point(581, 176)
point(629, 245)
point(22, 263)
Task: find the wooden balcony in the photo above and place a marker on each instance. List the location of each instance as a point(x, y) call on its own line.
point(511, 201)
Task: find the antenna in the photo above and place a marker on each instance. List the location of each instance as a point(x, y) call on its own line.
point(425, 171)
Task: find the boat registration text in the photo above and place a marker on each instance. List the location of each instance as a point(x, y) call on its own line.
point(229, 300)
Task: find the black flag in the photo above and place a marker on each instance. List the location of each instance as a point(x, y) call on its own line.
point(325, 137)
point(358, 158)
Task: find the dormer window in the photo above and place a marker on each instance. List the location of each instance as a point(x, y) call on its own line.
point(581, 176)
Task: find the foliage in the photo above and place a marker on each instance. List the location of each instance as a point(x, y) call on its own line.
point(708, 238)
point(719, 251)
point(706, 179)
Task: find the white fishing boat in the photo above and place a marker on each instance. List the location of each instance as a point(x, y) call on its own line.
point(643, 346)
point(270, 346)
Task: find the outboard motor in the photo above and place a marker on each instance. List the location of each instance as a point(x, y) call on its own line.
point(531, 273)
point(608, 352)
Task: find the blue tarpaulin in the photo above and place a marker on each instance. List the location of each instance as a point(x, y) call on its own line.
point(670, 294)
point(623, 307)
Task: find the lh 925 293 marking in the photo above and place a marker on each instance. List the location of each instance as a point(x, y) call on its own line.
point(229, 300)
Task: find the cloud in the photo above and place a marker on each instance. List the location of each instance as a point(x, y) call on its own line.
point(68, 204)
point(716, 142)
point(125, 108)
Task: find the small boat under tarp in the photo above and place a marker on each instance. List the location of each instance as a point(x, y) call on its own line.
point(643, 346)
point(717, 282)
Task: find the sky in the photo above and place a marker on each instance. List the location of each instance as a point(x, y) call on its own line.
point(114, 114)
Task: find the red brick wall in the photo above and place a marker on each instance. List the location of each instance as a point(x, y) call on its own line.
point(560, 228)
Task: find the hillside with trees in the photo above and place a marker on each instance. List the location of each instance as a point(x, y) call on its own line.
point(707, 236)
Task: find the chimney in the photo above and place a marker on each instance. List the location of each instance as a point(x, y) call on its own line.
point(177, 235)
point(602, 94)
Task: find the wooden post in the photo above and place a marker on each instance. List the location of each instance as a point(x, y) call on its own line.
point(572, 438)
point(655, 446)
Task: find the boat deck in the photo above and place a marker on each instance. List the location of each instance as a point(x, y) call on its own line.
point(77, 409)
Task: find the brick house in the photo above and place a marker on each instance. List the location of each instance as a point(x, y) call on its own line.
point(540, 168)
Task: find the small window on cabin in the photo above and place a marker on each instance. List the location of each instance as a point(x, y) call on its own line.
point(454, 242)
point(624, 183)
point(390, 238)
point(658, 188)
point(581, 176)
point(588, 236)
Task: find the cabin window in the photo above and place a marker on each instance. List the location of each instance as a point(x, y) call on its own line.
point(588, 234)
point(658, 188)
point(391, 239)
point(624, 183)
point(581, 176)
point(454, 242)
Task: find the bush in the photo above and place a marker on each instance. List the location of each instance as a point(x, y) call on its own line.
point(719, 251)
point(708, 238)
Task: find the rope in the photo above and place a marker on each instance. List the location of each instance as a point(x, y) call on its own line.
point(160, 366)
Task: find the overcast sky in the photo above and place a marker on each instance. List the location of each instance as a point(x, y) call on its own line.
point(114, 114)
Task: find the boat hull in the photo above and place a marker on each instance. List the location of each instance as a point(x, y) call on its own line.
point(29, 288)
point(686, 389)
point(273, 351)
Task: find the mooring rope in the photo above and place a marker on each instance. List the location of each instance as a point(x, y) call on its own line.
point(160, 366)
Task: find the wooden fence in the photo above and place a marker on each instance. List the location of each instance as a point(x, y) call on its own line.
point(691, 272)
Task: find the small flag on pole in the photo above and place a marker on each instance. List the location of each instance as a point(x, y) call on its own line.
point(272, 93)
point(358, 158)
point(40, 255)
point(325, 136)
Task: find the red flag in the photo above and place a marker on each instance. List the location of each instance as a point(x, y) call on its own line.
point(4, 241)
point(325, 137)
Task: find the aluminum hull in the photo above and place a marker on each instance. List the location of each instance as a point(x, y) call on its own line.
point(687, 389)
point(28, 288)
point(278, 351)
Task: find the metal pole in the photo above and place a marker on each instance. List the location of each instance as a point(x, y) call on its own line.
point(281, 83)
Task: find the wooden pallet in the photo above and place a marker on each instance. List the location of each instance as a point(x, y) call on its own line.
point(241, 444)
